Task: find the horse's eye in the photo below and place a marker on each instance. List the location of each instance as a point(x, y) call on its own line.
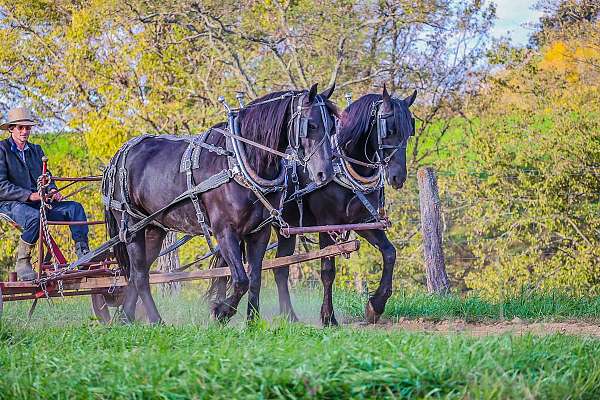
point(312, 126)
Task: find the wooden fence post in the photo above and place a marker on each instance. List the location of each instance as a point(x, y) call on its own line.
point(431, 227)
point(168, 263)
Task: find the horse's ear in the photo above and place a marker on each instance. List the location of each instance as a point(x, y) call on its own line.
point(410, 99)
point(312, 93)
point(387, 100)
point(328, 92)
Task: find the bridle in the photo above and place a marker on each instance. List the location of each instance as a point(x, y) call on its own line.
point(379, 118)
point(298, 127)
point(378, 122)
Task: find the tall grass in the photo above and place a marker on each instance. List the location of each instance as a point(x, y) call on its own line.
point(474, 308)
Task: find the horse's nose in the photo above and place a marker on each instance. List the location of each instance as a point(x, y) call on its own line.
point(397, 182)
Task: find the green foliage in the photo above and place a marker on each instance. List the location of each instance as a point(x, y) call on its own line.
point(528, 200)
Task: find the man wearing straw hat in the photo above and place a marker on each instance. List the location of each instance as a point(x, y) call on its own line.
point(20, 167)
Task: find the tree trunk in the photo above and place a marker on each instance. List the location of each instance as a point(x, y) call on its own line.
point(431, 227)
point(168, 263)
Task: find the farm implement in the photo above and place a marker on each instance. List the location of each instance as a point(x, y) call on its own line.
point(104, 280)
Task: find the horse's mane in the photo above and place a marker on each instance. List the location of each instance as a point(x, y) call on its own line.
point(356, 118)
point(267, 124)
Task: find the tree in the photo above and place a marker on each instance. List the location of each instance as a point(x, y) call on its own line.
point(109, 70)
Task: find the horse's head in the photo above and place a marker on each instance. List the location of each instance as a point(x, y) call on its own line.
point(395, 125)
point(299, 122)
point(311, 124)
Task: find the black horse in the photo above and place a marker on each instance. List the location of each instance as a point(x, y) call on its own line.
point(152, 174)
point(365, 142)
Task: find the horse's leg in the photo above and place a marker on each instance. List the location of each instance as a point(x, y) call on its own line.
point(139, 272)
point(285, 247)
point(218, 286)
point(327, 277)
point(130, 302)
point(131, 292)
point(256, 245)
point(154, 238)
point(229, 245)
point(376, 304)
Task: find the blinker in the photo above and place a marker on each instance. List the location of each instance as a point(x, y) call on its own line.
point(303, 133)
point(382, 127)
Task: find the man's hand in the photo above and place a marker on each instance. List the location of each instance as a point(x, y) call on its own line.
point(34, 196)
point(55, 195)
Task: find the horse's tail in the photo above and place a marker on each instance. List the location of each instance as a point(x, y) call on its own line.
point(218, 287)
point(120, 248)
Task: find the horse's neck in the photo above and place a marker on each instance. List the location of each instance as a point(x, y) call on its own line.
point(267, 172)
point(358, 152)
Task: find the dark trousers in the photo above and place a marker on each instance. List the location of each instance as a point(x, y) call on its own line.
point(27, 215)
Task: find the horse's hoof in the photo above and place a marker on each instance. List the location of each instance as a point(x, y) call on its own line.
point(329, 320)
point(222, 312)
point(371, 315)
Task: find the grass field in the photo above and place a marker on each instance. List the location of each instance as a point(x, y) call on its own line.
point(553, 307)
point(63, 353)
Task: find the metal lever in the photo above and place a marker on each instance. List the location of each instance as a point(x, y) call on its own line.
point(240, 98)
point(221, 100)
point(348, 97)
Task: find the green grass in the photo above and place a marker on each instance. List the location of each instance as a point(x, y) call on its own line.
point(473, 308)
point(189, 307)
point(63, 353)
point(289, 361)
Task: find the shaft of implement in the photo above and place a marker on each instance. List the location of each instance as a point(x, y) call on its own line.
point(333, 228)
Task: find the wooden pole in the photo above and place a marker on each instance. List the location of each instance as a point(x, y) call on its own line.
point(431, 227)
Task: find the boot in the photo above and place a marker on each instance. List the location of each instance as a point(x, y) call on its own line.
point(23, 266)
point(82, 248)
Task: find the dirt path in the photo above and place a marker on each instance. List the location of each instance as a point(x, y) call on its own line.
point(515, 326)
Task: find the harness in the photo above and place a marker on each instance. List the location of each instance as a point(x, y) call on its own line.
point(115, 178)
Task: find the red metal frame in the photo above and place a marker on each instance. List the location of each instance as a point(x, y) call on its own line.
point(60, 258)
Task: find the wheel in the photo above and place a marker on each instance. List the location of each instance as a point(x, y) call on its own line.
point(102, 304)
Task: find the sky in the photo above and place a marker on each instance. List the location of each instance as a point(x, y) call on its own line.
point(511, 16)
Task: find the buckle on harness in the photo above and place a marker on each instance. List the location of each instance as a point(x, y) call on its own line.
point(231, 172)
point(275, 213)
point(123, 229)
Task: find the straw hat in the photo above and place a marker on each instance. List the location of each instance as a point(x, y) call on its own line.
point(18, 116)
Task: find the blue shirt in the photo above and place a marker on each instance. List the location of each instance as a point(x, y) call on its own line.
point(17, 151)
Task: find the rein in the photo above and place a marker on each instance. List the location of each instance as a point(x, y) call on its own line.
point(285, 156)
